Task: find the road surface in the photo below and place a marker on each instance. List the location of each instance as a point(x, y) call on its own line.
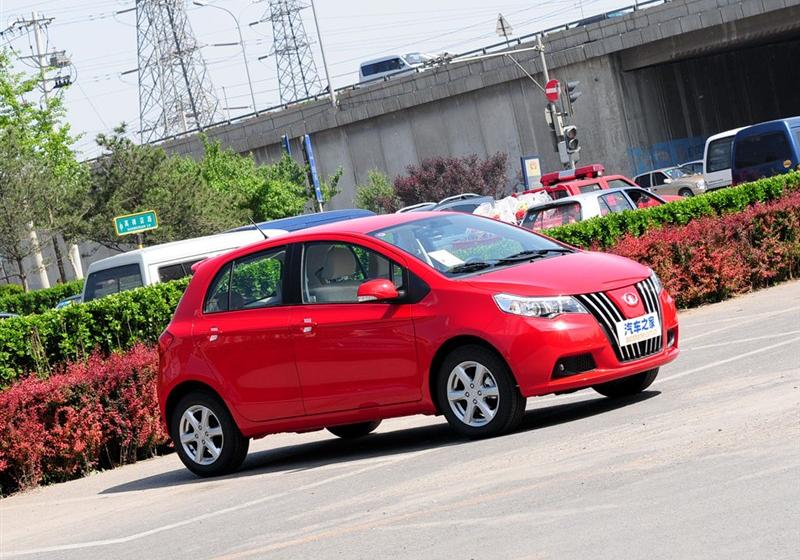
point(705, 464)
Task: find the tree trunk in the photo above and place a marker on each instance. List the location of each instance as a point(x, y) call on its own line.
point(22, 275)
point(62, 274)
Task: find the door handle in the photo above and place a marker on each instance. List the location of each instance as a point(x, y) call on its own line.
point(308, 325)
point(214, 334)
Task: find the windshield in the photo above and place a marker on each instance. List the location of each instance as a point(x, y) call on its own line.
point(674, 173)
point(457, 244)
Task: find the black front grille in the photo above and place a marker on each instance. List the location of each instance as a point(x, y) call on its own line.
point(572, 365)
point(607, 314)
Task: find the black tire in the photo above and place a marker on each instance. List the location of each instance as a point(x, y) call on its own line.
point(686, 193)
point(353, 431)
point(627, 386)
point(509, 405)
point(234, 445)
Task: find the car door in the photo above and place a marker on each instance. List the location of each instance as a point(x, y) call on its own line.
point(643, 181)
point(352, 355)
point(243, 336)
point(662, 184)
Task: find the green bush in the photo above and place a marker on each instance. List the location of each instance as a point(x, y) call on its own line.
point(377, 194)
point(40, 343)
point(38, 301)
point(604, 232)
point(10, 290)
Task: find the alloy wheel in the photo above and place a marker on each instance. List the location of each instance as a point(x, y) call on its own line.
point(201, 434)
point(473, 394)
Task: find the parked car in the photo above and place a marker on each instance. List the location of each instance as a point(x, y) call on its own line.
point(393, 64)
point(347, 324)
point(692, 167)
point(766, 149)
point(588, 178)
point(671, 181)
point(71, 300)
point(465, 202)
point(161, 263)
point(581, 207)
point(717, 159)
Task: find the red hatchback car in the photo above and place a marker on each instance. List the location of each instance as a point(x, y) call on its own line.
point(343, 325)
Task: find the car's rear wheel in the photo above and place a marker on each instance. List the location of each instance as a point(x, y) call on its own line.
point(477, 393)
point(352, 431)
point(206, 437)
point(627, 386)
point(685, 192)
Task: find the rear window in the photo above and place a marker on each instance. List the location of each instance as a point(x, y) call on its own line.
point(762, 148)
point(719, 155)
point(552, 217)
point(382, 66)
point(590, 188)
point(113, 280)
point(620, 184)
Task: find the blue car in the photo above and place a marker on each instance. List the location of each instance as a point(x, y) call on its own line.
point(310, 220)
point(766, 149)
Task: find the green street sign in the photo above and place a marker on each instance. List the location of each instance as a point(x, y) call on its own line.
point(136, 223)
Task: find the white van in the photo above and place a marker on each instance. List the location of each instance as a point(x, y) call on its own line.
point(392, 64)
point(717, 159)
point(161, 263)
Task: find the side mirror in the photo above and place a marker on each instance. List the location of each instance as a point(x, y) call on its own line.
point(379, 289)
point(667, 181)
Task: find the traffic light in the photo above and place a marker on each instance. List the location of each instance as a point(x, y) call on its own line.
point(571, 139)
point(572, 94)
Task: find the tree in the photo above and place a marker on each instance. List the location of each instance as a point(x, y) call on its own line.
point(38, 136)
point(24, 184)
point(129, 178)
point(377, 194)
point(440, 177)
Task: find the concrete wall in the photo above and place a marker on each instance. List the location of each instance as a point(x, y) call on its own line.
point(638, 93)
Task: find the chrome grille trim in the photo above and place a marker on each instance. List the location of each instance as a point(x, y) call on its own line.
point(607, 314)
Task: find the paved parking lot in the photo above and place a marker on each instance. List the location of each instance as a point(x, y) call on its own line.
point(705, 464)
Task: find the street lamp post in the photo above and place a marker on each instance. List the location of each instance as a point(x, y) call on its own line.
point(241, 42)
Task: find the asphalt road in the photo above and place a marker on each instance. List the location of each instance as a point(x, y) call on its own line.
point(706, 464)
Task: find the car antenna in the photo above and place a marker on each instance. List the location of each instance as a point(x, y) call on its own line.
point(261, 231)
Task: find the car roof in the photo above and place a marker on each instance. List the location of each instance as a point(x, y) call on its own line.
point(469, 200)
point(188, 248)
point(582, 196)
point(295, 223)
point(587, 181)
point(725, 134)
point(777, 124)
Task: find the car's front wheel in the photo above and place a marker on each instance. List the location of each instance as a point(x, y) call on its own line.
point(686, 193)
point(352, 431)
point(627, 386)
point(478, 394)
point(206, 437)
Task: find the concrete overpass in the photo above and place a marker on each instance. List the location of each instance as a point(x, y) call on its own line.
point(656, 83)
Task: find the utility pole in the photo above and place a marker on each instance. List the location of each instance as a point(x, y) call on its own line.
point(331, 91)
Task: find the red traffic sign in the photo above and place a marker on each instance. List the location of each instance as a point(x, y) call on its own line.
point(552, 90)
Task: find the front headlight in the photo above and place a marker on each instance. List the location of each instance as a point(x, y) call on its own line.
point(656, 282)
point(701, 185)
point(538, 306)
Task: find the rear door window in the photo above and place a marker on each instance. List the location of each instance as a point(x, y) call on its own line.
point(113, 280)
point(643, 181)
point(590, 187)
point(176, 271)
point(382, 66)
point(719, 155)
point(760, 149)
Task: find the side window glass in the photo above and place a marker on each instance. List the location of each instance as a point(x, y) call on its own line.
point(217, 295)
point(332, 272)
point(643, 181)
point(658, 179)
point(256, 280)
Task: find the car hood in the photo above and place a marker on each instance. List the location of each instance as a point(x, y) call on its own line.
point(573, 273)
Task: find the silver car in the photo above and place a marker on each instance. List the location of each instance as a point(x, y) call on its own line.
point(672, 181)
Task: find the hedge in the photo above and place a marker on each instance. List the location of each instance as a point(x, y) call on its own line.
point(39, 343)
point(714, 258)
point(604, 232)
point(38, 301)
point(95, 414)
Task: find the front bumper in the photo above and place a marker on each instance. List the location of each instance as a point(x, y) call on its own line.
point(535, 346)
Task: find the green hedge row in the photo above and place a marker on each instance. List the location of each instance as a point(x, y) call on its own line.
point(39, 343)
point(38, 301)
point(601, 233)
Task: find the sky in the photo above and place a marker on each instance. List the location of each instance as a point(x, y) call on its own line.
point(102, 44)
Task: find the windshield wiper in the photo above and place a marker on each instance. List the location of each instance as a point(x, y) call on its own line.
point(470, 267)
point(532, 254)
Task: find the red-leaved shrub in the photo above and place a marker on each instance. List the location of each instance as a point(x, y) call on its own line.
point(95, 414)
point(713, 258)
